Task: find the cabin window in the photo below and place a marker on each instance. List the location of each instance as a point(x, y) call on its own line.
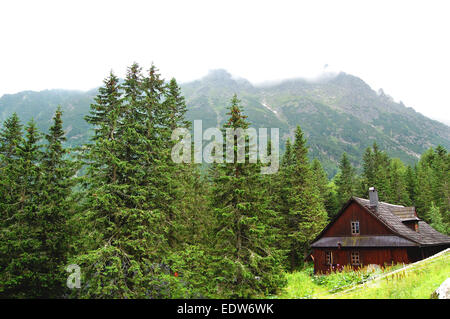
point(355, 258)
point(328, 257)
point(355, 227)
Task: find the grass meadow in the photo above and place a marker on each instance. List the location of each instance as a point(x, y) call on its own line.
point(416, 281)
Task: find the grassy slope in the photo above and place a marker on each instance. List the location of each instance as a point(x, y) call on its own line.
point(415, 282)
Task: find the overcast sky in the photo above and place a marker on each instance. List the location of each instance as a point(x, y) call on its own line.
point(400, 46)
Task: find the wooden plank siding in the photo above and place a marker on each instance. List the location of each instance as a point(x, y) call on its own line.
point(384, 237)
point(368, 225)
point(341, 257)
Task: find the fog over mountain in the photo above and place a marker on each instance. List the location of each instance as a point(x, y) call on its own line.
point(338, 112)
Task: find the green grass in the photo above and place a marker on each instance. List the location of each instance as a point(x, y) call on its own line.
point(301, 285)
point(419, 282)
point(416, 282)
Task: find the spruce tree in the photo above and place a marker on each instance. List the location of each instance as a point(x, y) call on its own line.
point(397, 185)
point(104, 113)
point(307, 213)
point(424, 190)
point(281, 200)
point(369, 170)
point(247, 259)
point(441, 178)
point(432, 183)
point(22, 246)
point(56, 205)
point(326, 189)
point(132, 190)
point(346, 180)
point(115, 207)
point(189, 220)
point(320, 178)
point(410, 180)
point(176, 106)
point(164, 108)
point(10, 137)
point(436, 221)
point(375, 172)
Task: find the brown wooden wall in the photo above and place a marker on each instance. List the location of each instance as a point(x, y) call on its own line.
point(368, 225)
point(378, 256)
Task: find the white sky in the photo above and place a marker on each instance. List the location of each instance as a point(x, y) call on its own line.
point(400, 46)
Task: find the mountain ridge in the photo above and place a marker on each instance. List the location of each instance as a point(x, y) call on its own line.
point(338, 113)
point(317, 106)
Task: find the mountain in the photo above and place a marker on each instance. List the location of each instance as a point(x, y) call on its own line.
point(338, 113)
point(42, 105)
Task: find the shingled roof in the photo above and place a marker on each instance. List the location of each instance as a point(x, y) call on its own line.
point(393, 217)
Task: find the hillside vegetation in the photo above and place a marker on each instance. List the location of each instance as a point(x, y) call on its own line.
point(338, 113)
point(415, 281)
point(140, 224)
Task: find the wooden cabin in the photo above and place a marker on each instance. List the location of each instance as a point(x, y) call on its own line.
point(368, 232)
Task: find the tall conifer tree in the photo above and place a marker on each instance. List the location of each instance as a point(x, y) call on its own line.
point(248, 261)
point(308, 215)
point(10, 136)
point(56, 207)
point(346, 180)
point(24, 273)
point(132, 189)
